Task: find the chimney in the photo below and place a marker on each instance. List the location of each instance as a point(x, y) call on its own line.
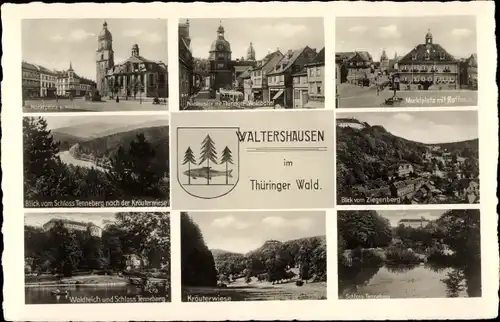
point(290, 53)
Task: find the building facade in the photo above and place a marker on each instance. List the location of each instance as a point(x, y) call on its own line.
point(186, 65)
point(280, 80)
point(258, 76)
point(315, 79)
point(428, 66)
point(414, 223)
point(468, 72)
point(30, 80)
point(70, 84)
point(91, 228)
point(300, 89)
point(48, 82)
point(136, 76)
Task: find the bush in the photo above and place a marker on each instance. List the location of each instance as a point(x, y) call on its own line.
point(402, 256)
point(299, 283)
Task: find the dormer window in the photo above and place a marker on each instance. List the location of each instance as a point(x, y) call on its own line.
point(414, 57)
point(427, 56)
point(441, 55)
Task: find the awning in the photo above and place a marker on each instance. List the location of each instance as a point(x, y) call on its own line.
point(314, 104)
point(278, 94)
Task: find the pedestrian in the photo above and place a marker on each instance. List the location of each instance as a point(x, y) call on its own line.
point(117, 98)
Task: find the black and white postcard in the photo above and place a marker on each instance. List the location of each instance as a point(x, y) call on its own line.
point(96, 161)
point(230, 64)
point(406, 61)
point(94, 65)
point(253, 256)
point(407, 158)
point(409, 254)
point(96, 258)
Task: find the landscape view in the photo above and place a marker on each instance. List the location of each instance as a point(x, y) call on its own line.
point(97, 258)
point(409, 254)
point(253, 256)
point(96, 161)
point(407, 158)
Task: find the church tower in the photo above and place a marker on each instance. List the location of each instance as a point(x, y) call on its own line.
point(104, 58)
point(221, 68)
point(251, 53)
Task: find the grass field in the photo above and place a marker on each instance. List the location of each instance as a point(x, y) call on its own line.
point(258, 291)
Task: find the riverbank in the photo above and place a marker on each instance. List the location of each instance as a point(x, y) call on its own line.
point(94, 280)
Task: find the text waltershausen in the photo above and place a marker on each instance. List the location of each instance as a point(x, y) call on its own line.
point(281, 136)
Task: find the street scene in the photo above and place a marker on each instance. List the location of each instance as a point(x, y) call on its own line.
point(408, 158)
point(253, 256)
point(96, 161)
point(409, 254)
point(97, 258)
point(92, 65)
point(406, 61)
point(228, 64)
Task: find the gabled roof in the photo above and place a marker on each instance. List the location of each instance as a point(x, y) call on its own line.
point(268, 62)
point(472, 60)
point(319, 59)
point(27, 65)
point(430, 52)
point(288, 62)
point(245, 74)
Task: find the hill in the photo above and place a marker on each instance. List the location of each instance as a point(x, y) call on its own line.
point(66, 140)
point(107, 146)
point(367, 154)
point(468, 148)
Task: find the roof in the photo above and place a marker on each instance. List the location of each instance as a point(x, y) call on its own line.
point(156, 66)
point(245, 74)
point(105, 32)
point(27, 65)
point(73, 222)
point(472, 60)
point(46, 70)
point(268, 62)
point(424, 52)
point(288, 62)
point(319, 59)
point(399, 184)
point(301, 72)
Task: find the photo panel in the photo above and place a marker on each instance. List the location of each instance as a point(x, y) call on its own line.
point(94, 65)
point(96, 161)
point(393, 158)
point(226, 64)
point(388, 254)
point(406, 61)
point(253, 256)
point(91, 258)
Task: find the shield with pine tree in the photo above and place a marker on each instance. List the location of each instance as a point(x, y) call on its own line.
point(226, 159)
point(208, 153)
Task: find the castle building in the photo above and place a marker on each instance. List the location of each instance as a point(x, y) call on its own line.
point(135, 76)
point(72, 225)
point(414, 222)
point(350, 122)
point(429, 65)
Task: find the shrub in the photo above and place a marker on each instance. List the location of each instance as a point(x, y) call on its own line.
point(402, 256)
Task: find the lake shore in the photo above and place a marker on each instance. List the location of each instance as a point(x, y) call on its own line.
point(85, 280)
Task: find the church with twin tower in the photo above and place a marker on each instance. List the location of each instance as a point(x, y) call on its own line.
point(133, 77)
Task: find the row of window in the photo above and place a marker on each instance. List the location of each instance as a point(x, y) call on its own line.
point(444, 68)
point(316, 88)
point(430, 78)
point(276, 79)
point(314, 72)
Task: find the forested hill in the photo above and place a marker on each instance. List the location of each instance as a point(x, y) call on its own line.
point(107, 146)
point(468, 148)
point(368, 153)
point(65, 140)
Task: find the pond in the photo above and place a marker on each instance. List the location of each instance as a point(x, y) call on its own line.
point(90, 294)
point(403, 281)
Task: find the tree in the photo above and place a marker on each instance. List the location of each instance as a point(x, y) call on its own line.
point(364, 229)
point(189, 159)
point(226, 158)
point(65, 250)
point(208, 153)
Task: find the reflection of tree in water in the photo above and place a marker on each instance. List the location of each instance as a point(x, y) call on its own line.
point(454, 282)
point(400, 268)
point(353, 277)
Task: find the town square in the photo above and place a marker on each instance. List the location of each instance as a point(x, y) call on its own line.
point(94, 65)
point(406, 61)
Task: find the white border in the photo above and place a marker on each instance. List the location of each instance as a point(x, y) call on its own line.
point(329, 309)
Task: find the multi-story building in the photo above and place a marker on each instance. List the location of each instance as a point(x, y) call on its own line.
point(48, 82)
point(468, 72)
point(414, 222)
point(91, 228)
point(280, 80)
point(30, 80)
point(68, 83)
point(258, 76)
point(428, 65)
point(300, 89)
point(315, 80)
point(134, 76)
point(186, 65)
point(354, 67)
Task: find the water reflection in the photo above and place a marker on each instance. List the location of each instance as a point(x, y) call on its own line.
point(430, 280)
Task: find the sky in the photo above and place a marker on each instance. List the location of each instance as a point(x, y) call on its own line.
point(58, 121)
point(266, 34)
point(54, 43)
point(395, 216)
point(425, 127)
point(456, 34)
point(242, 232)
point(97, 218)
